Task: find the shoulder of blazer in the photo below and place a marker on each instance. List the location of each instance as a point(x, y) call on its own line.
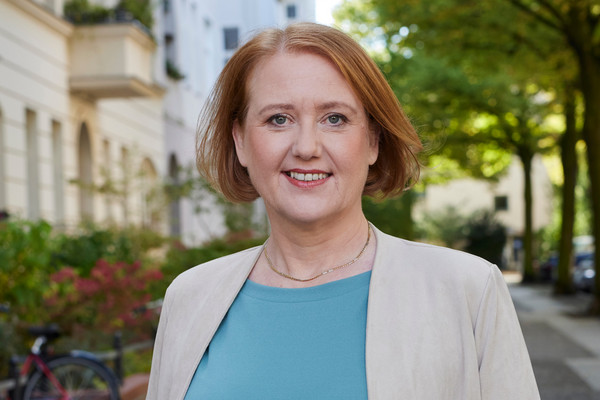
point(414, 260)
point(225, 272)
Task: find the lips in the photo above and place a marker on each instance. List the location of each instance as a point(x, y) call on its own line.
point(307, 176)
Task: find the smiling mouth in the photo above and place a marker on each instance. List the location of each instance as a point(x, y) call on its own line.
point(299, 176)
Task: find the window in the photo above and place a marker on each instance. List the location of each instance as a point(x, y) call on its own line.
point(33, 189)
point(231, 38)
point(501, 203)
point(291, 11)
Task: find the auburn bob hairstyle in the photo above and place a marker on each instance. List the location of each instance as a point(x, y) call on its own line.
point(396, 167)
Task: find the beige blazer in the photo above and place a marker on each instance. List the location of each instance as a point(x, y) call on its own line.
point(440, 325)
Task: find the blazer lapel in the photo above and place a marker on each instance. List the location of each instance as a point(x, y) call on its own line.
point(385, 364)
point(206, 313)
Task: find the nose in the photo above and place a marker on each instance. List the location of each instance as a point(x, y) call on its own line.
point(307, 142)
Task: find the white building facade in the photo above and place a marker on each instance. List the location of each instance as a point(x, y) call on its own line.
point(78, 106)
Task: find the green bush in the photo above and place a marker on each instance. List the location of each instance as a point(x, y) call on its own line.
point(83, 251)
point(486, 237)
point(26, 250)
point(82, 12)
point(97, 298)
point(392, 215)
point(447, 227)
point(173, 72)
point(25, 253)
point(140, 10)
point(89, 282)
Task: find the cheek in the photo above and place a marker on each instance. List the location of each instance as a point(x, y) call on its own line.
point(264, 156)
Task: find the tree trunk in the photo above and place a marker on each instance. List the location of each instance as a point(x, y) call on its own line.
point(564, 282)
point(590, 80)
point(526, 156)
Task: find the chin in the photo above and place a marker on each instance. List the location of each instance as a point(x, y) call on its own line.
point(310, 216)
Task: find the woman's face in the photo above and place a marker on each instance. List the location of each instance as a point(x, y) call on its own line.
point(306, 139)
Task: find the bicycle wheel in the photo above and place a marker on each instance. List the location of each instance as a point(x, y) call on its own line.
point(82, 379)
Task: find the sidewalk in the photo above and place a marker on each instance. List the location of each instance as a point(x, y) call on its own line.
point(564, 346)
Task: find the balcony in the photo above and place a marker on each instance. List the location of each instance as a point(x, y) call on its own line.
point(112, 61)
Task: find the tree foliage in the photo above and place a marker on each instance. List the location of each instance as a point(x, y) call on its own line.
point(469, 72)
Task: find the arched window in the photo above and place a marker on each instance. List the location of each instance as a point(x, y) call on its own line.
point(86, 198)
point(175, 204)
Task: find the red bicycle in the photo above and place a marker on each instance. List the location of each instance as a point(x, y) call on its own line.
point(77, 375)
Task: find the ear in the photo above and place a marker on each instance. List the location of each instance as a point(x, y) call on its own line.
point(374, 134)
point(238, 138)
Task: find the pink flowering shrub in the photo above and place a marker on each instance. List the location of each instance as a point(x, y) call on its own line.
point(105, 301)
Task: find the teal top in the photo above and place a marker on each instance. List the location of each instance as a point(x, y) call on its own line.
point(277, 343)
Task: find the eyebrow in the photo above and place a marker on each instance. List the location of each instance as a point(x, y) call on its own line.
point(335, 104)
point(321, 107)
point(278, 106)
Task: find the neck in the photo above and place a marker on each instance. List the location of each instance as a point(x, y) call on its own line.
point(305, 250)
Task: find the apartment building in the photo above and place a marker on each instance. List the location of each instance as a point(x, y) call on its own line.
point(80, 117)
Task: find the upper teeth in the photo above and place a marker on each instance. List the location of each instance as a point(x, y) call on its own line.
point(307, 177)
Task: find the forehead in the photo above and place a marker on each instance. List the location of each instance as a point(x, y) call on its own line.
point(298, 76)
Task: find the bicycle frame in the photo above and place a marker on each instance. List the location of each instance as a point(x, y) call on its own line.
point(35, 357)
point(46, 371)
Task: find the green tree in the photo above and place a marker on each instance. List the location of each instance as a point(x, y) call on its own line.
point(439, 60)
point(577, 23)
point(393, 216)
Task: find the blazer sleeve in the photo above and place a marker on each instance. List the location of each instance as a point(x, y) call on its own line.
point(156, 373)
point(505, 369)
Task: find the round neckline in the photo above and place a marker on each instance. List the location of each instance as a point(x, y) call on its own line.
point(312, 293)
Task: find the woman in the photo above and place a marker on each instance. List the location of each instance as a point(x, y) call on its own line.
point(329, 307)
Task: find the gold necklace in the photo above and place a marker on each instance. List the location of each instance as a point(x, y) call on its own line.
point(355, 259)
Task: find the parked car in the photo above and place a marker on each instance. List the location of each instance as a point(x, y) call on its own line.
point(548, 268)
point(584, 272)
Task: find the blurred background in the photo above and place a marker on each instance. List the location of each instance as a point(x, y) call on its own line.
point(101, 205)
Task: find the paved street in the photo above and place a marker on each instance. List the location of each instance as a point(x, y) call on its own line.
point(564, 347)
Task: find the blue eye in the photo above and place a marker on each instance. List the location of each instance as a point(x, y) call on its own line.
point(279, 119)
point(335, 119)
